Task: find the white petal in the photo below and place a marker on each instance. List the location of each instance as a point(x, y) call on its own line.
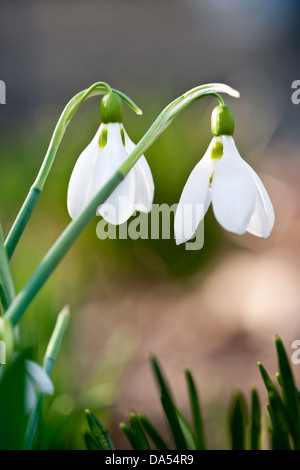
point(233, 190)
point(39, 378)
point(30, 396)
point(80, 190)
point(144, 180)
point(196, 197)
point(263, 218)
point(120, 204)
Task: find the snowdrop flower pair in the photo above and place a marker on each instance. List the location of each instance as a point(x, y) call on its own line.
point(98, 162)
point(239, 199)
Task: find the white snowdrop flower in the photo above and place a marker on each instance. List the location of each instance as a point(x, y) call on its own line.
point(37, 381)
point(98, 162)
point(239, 199)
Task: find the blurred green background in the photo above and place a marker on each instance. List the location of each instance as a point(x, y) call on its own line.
point(214, 310)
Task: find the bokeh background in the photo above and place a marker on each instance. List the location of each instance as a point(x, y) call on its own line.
point(215, 310)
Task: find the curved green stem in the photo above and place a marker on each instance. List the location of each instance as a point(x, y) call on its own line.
point(7, 284)
point(76, 227)
point(59, 131)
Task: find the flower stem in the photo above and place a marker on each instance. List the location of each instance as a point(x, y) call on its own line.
point(8, 292)
point(76, 227)
point(59, 131)
point(58, 251)
point(48, 364)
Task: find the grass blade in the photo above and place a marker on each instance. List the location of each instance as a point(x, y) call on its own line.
point(196, 412)
point(90, 442)
point(279, 432)
point(238, 422)
point(99, 432)
point(255, 422)
point(289, 392)
point(130, 436)
point(159, 375)
point(187, 431)
point(141, 437)
point(171, 414)
point(152, 432)
point(270, 386)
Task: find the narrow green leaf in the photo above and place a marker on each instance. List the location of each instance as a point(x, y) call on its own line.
point(173, 421)
point(289, 392)
point(99, 432)
point(12, 404)
point(91, 443)
point(130, 436)
point(255, 422)
point(196, 412)
point(152, 432)
point(139, 433)
point(278, 414)
point(279, 380)
point(187, 431)
point(159, 375)
point(238, 422)
point(270, 386)
point(279, 432)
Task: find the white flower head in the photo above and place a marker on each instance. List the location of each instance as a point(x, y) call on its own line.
point(239, 199)
point(37, 381)
point(98, 162)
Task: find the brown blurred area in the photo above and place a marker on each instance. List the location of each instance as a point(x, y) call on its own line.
point(220, 316)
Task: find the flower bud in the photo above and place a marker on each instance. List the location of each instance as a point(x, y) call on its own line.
point(222, 121)
point(111, 109)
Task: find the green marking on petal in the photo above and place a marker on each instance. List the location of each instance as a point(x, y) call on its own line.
point(103, 138)
point(123, 136)
point(211, 180)
point(217, 151)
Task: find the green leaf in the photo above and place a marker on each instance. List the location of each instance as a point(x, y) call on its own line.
point(141, 438)
point(12, 404)
point(238, 422)
point(279, 432)
point(171, 414)
point(91, 443)
point(187, 431)
point(152, 432)
point(289, 392)
point(158, 373)
point(131, 436)
point(255, 422)
point(279, 380)
point(99, 432)
point(277, 411)
point(168, 405)
point(196, 412)
point(270, 386)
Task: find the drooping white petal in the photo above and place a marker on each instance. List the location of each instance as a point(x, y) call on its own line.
point(233, 190)
point(144, 180)
point(80, 190)
point(196, 197)
point(263, 218)
point(39, 378)
point(121, 203)
point(30, 396)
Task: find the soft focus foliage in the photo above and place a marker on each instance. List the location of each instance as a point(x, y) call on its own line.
point(244, 430)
